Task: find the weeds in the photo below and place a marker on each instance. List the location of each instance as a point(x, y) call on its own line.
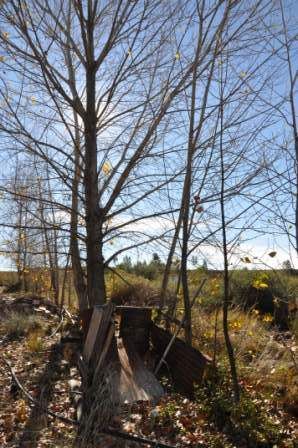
point(246, 421)
point(34, 341)
point(19, 324)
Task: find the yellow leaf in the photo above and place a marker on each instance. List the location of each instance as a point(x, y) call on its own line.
point(258, 284)
point(106, 168)
point(21, 411)
point(242, 75)
point(177, 56)
point(33, 100)
point(129, 52)
point(272, 254)
point(5, 35)
point(2, 58)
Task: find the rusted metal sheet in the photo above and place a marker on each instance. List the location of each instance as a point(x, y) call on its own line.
point(187, 365)
point(135, 325)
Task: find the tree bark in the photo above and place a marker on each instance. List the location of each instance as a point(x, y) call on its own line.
point(296, 205)
point(94, 215)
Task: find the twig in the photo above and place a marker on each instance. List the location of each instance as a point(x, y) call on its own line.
point(138, 439)
point(58, 326)
point(167, 317)
point(69, 315)
point(119, 275)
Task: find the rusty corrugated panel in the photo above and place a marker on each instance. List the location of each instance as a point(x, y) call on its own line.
point(187, 365)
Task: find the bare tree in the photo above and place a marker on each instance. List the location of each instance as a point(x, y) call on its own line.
point(97, 81)
point(200, 192)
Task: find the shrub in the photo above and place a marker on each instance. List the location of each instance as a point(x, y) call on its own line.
point(279, 284)
point(139, 294)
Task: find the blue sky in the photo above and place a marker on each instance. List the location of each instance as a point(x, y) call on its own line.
point(258, 235)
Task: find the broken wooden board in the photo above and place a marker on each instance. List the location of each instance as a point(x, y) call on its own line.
point(92, 333)
point(187, 365)
point(132, 381)
point(106, 348)
point(97, 333)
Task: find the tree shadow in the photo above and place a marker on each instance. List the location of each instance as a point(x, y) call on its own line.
point(38, 419)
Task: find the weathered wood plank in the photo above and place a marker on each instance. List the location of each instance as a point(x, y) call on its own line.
point(105, 350)
point(97, 333)
point(133, 380)
point(92, 333)
point(135, 324)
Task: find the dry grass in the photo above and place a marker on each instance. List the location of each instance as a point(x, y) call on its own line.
point(17, 324)
point(34, 341)
point(265, 357)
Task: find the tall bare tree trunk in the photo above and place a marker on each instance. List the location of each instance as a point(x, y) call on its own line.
point(296, 211)
point(94, 216)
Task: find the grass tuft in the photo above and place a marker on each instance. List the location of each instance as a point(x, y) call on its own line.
point(18, 324)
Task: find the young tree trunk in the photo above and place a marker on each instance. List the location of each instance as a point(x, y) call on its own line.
point(77, 270)
point(50, 241)
point(184, 253)
point(226, 298)
point(296, 211)
point(167, 270)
